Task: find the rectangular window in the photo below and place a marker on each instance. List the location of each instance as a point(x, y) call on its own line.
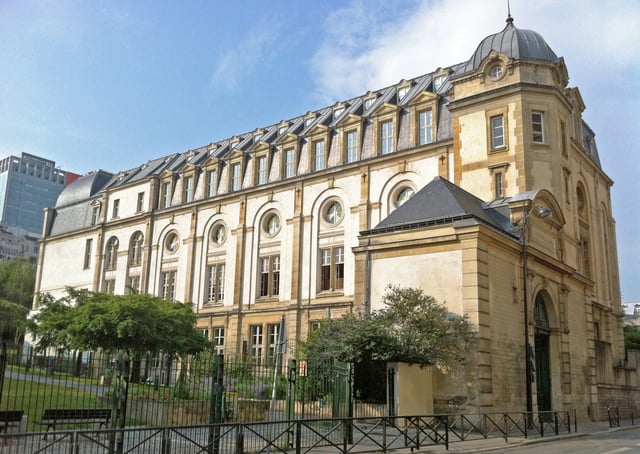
point(109, 286)
point(563, 138)
point(133, 284)
point(262, 170)
point(218, 340)
point(140, 202)
point(165, 195)
point(187, 190)
point(319, 155)
point(269, 276)
point(95, 215)
point(168, 282)
point(386, 137)
point(236, 182)
point(289, 163)
point(332, 269)
point(212, 183)
point(537, 127)
point(115, 208)
point(352, 146)
point(497, 132)
point(313, 326)
point(256, 332)
point(426, 127)
point(215, 282)
point(87, 253)
point(273, 334)
point(499, 185)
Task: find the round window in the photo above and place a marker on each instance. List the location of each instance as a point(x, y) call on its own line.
point(219, 234)
point(173, 242)
point(404, 195)
point(333, 214)
point(272, 224)
point(496, 72)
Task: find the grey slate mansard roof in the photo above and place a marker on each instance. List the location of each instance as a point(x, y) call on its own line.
point(441, 202)
point(511, 41)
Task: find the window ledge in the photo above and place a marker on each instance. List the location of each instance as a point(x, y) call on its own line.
point(267, 299)
point(330, 293)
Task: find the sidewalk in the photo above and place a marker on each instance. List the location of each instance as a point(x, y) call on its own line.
point(497, 444)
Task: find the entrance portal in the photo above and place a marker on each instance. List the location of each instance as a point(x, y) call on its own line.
point(543, 371)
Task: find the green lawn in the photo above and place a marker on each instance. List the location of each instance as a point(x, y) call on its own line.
point(34, 397)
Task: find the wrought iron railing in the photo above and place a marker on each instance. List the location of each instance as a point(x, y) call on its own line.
point(340, 435)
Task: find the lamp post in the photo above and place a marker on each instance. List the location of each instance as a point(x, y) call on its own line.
point(541, 212)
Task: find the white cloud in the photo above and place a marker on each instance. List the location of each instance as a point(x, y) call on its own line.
point(237, 63)
point(359, 52)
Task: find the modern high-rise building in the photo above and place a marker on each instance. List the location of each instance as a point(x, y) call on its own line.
point(478, 182)
point(28, 185)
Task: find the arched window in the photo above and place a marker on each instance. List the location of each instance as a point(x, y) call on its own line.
point(136, 248)
point(111, 253)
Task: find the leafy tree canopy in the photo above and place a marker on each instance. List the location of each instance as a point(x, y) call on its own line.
point(136, 323)
point(631, 338)
point(412, 327)
point(17, 281)
point(13, 320)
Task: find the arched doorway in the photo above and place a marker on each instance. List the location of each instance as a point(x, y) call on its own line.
point(542, 365)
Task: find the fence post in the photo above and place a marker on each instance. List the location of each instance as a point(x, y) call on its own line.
point(216, 412)
point(298, 437)
point(166, 441)
point(240, 440)
point(506, 427)
point(555, 415)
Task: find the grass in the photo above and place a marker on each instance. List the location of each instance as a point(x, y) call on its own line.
point(34, 397)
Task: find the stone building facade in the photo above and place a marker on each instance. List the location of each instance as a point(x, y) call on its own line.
point(479, 182)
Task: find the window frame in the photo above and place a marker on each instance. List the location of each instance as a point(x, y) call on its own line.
point(115, 209)
point(269, 276)
point(256, 343)
point(168, 279)
point(215, 281)
point(331, 271)
point(212, 183)
point(188, 188)
point(111, 254)
point(236, 176)
point(88, 246)
point(537, 127)
point(425, 128)
point(136, 249)
point(352, 146)
point(386, 136)
point(497, 132)
point(261, 170)
point(319, 155)
point(140, 202)
point(289, 162)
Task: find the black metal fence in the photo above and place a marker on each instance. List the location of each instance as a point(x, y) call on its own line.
point(339, 435)
point(166, 390)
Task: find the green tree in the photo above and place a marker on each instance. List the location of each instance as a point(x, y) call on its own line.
point(134, 323)
point(13, 321)
point(17, 281)
point(412, 327)
point(631, 338)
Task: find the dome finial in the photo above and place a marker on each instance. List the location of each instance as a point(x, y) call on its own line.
point(509, 18)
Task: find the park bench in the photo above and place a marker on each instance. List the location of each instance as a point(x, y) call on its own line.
point(60, 416)
point(10, 418)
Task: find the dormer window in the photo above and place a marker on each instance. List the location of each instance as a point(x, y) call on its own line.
point(337, 112)
point(282, 130)
point(257, 138)
point(308, 121)
point(438, 81)
point(402, 92)
point(368, 102)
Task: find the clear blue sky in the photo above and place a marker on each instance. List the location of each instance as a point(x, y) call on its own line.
point(112, 84)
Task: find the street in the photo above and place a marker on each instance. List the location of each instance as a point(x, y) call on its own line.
point(624, 441)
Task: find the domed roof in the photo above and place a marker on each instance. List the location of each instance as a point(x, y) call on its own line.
point(83, 188)
point(514, 43)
